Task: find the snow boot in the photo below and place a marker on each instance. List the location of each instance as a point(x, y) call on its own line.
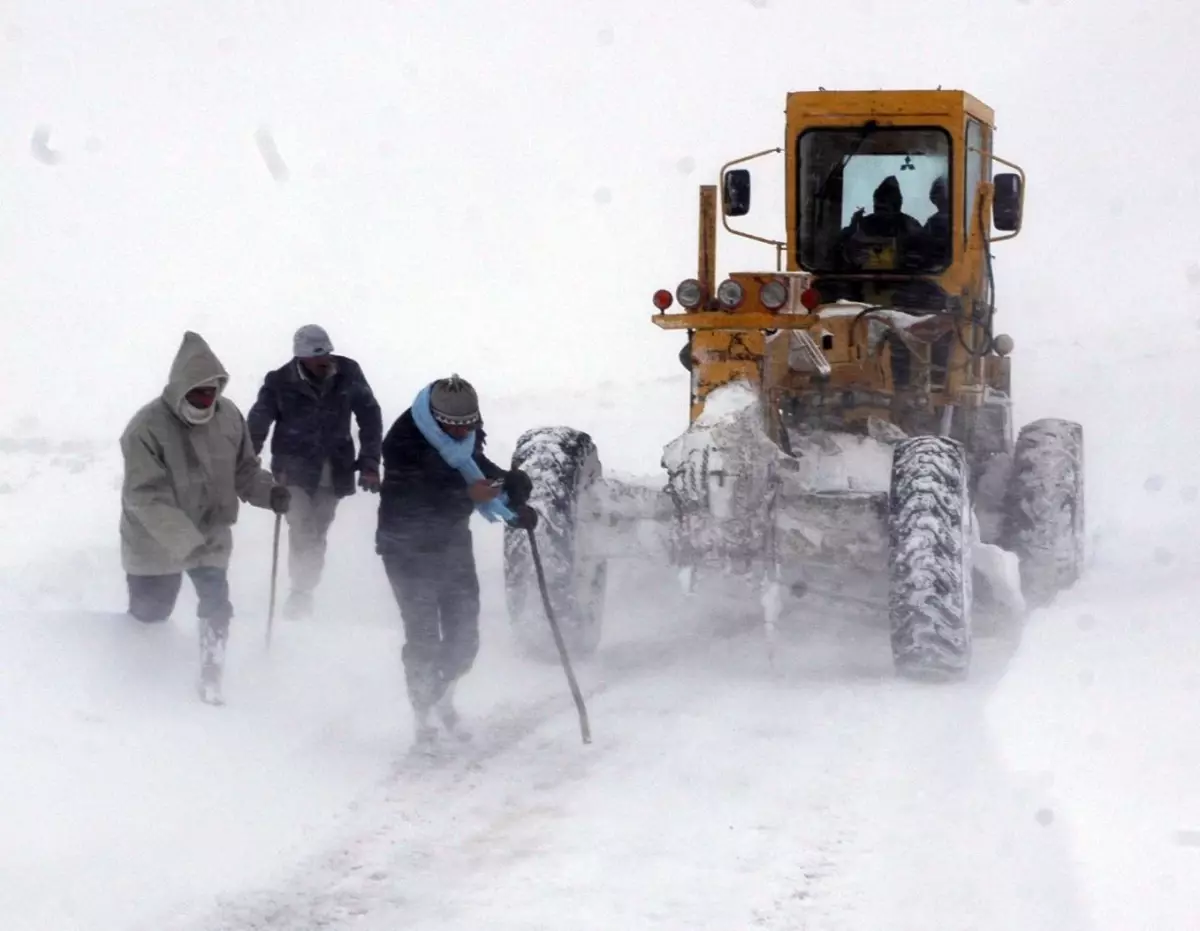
point(212, 663)
point(425, 736)
point(209, 686)
point(298, 606)
point(448, 714)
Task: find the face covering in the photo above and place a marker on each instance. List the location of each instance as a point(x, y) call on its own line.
point(194, 414)
point(197, 415)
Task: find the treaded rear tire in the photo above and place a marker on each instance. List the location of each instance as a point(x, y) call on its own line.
point(563, 464)
point(1044, 508)
point(930, 595)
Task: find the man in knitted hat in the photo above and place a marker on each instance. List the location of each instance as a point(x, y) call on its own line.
point(435, 477)
point(188, 461)
point(309, 400)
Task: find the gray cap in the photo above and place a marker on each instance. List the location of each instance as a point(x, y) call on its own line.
point(310, 341)
point(453, 402)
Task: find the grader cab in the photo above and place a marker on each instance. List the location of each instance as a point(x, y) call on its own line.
point(851, 429)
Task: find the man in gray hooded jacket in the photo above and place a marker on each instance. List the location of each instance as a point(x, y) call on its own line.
point(188, 460)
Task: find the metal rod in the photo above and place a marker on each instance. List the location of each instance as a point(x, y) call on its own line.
point(274, 576)
point(706, 270)
point(584, 729)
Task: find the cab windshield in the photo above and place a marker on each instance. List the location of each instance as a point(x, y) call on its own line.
point(874, 199)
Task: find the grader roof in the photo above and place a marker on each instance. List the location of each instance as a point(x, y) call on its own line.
point(807, 105)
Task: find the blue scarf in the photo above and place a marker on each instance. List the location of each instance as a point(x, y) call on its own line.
point(458, 454)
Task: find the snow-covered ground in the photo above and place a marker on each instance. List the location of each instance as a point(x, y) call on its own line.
point(497, 189)
point(1054, 790)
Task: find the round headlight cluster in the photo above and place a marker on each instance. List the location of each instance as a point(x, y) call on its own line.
point(773, 294)
point(689, 293)
point(730, 294)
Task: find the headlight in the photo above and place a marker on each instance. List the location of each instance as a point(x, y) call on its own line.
point(773, 294)
point(689, 293)
point(730, 294)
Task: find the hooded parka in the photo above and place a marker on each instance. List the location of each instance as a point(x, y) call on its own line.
point(185, 471)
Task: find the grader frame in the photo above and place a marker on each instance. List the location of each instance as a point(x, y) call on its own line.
point(850, 423)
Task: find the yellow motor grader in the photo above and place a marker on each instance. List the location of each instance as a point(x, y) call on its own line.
point(851, 429)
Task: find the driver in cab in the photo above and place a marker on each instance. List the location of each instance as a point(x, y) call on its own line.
point(887, 239)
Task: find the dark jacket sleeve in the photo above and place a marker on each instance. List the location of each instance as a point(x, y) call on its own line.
point(517, 485)
point(370, 424)
point(263, 413)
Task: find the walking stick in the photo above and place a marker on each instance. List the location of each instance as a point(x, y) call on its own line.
point(274, 574)
point(584, 730)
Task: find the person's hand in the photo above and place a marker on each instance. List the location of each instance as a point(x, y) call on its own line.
point(483, 491)
point(368, 481)
point(281, 499)
point(518, 486)
point(527, 517)
point(204, 549)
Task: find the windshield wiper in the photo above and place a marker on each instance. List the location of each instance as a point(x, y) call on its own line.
point(868, 128)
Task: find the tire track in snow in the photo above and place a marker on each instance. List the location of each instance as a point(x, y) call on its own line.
point(802, 767)
point(930, 828)
point(347, 877)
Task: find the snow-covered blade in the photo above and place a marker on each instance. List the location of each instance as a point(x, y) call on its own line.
point(831, 531)
point(722, 478)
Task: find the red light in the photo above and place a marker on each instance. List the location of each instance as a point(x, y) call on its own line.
point(810, 299)
point(662, 299)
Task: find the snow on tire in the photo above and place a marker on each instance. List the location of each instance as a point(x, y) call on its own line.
point(564, 466)
point(929, 601)
point(1043, 513)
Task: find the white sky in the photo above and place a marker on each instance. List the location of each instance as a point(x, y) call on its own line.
point(498, 188)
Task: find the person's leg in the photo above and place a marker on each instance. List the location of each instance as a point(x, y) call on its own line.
point(214, 611)
point(324, 509)
point(303, 558)
point(458, 599)
point(152, 597)
point(416, 593)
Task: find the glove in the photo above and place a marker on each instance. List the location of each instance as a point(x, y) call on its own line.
point(281, 499)
point(369, 481)
point(518, 486)
point(527, 517)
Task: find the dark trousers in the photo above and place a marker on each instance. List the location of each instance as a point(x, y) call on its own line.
point(438, 595)
point(152, 599)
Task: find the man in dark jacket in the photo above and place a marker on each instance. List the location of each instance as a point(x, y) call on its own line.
point(310, 401)
point(435, 476)
point(887, 239)
point(937, 227)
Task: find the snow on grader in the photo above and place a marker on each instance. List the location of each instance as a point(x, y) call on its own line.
point(851, 431)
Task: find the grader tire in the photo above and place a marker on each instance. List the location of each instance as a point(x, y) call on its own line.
point(1043, 511)
point(562, 464)
point(929, 561)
